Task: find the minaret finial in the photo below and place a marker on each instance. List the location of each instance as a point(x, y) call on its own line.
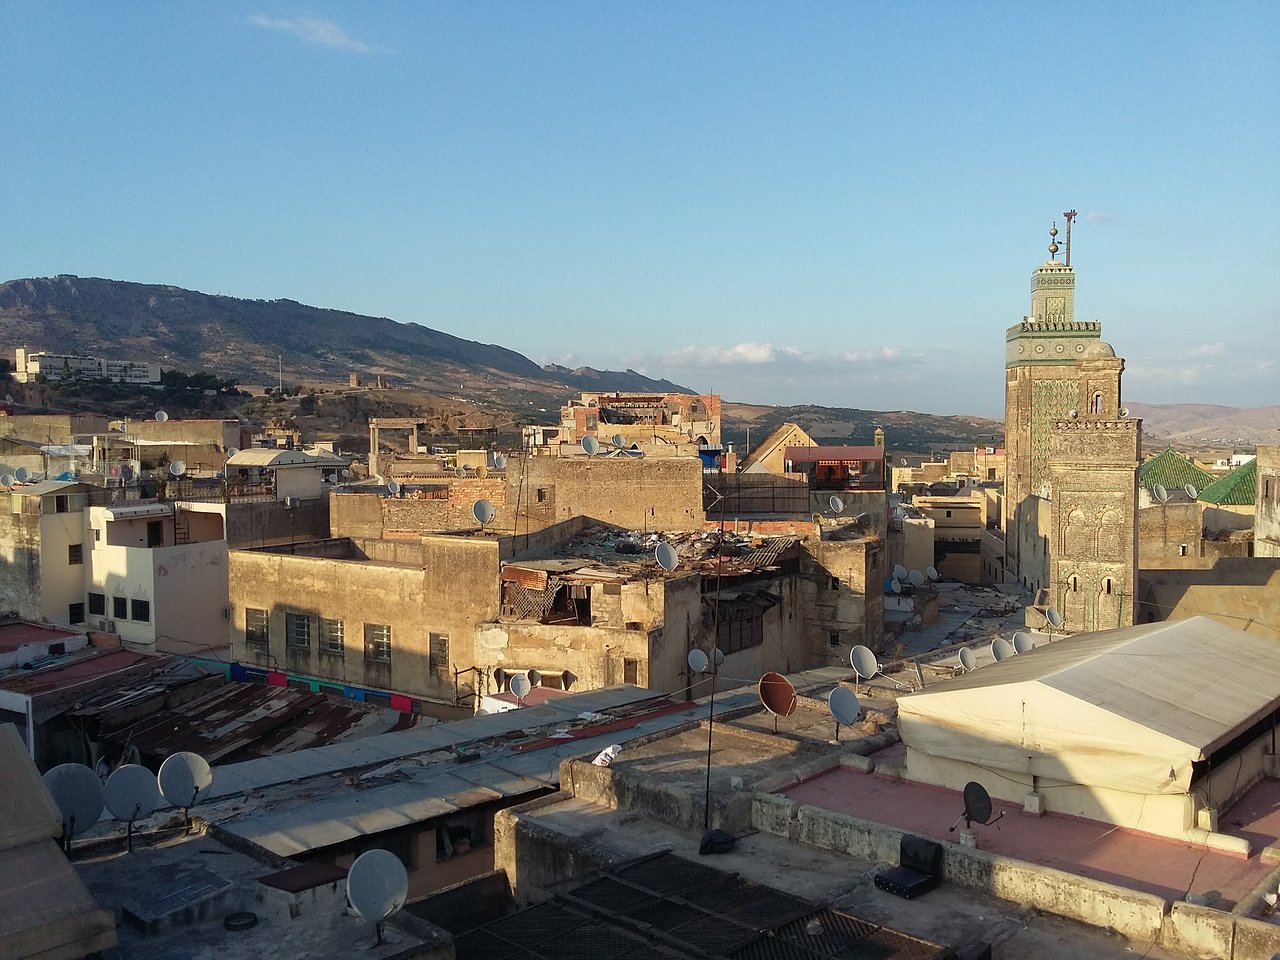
point(1053, 241)
point(1070, 215)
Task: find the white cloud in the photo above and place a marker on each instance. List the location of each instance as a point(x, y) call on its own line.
point(321, 33)
point(1215, 349)
point(1098, 216)
point(780, 360)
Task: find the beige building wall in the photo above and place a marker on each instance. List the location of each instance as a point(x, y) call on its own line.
point(770, 454)
point(1266, 521)
point(845, 603)
point(1241, 592)
point(1168, 531)
point(959, 521)
point(61, 581)
point(644, 494)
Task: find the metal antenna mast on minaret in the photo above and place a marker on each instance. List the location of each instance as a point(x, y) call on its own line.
point(1070, 215)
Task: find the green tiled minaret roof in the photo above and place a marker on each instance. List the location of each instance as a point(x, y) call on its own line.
point(1173, 471)
point(1239, 488)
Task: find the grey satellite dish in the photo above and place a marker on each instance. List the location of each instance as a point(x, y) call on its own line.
point(161, 416)
point(1022, 642)
point(459, 472)
point(22, 474)
point(1191, 491)
point(902, 461)
point(185, 779)
point(177, 468)
point(484, 512)
point(6, 479)
point(590, 446)
point(895, 585)
point(1124, 413)
point(931, 573)
point(916, 578)
point(618, 440)
point(1002, 649)
point(499, 462)
point(232, 451)
point(1160, 493)
point(377, 886)
point(131, 794)
point(393, 488)
point(77, 792)
point(836, 504)
point(520, 686)
point(899, 572)
point(535, 677)
point(864, 662)
point(845, 708)
point(1054, 617)
point(698, 661)
point(718, 655)
point(346, 474)
point(977, 807)
point(967, 660)
point(1073, 414)
point(666, 556)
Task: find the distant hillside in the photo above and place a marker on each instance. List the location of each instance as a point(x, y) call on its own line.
point(589, 379)
point(904, 430)
point(1203, 424)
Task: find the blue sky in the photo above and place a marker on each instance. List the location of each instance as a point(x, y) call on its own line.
point(835, 203)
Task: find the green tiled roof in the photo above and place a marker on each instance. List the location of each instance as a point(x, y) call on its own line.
point(1173, 471)
point(1239, 488)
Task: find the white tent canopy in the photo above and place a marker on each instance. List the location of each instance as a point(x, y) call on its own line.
point(1129, 709)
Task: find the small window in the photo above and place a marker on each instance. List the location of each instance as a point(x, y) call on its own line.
point(835, 583)
point(948, 513)
point(377, 642)
point(297, 630)
point(833, 638)
point(120, 608)
point(438, 656)
point(141, 611)
point(62, 503)
point(542, 494)
point(97, 535)
point(256, 627)
point(98, 604)
point(1182, 550)
point(331, 641)
point(155, 533)
point(75, 553)
point(630, 670)
point(1106, 585)
point(75, 613)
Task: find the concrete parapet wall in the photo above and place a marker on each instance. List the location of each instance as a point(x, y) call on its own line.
point(1209, 934)
point(676, 807)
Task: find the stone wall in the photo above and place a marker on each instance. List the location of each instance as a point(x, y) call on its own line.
point(643, 494)
point(257, 523)
point(1168, 531)
point(1266, 520)
point(1241, 592)
point(19, 561)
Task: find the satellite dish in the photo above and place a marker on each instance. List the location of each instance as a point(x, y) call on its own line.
point(459, 472)
point(500, 462)
point(666, 556)
point(899, 572)
point(535, 677)
point(132, 793)
point(1160, 493)
point(232, 451)
point(1124, 413)
point(718, 655)
point(499, 677)
point(778, 696)
point(902, 461)
point(895, 586)
point(6, 479)
point(1073, 413)
point(161, 416)
point(1002, 649)
point(77, 791)
point(484, 512)
point(844, 706)
point(8, 398)
point(1191, 491)
point(1022, 642)
point(698, 661)
point(916, 578)
point(977, 807)
point(377, 885)
point(837, 505)
point(590, 446)
point(967, 660)
point(520, 686)
point(864, 662)
point(931, 573)
point(346, 474)
point(22, 474)
point(482, 471)
point(185, 779)
point(178, 468)
point(393, 487)
point(618, 440)
point(1054, 617)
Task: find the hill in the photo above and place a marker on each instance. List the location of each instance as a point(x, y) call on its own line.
point(1210, 425)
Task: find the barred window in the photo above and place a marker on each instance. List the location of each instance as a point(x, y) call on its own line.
point(256, 627)
point(439, 653)
point(331, 641)
point(297, 630)
point(377, 642)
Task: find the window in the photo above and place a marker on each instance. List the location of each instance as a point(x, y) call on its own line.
point(142, 611)
point(256, 627)
point(62, 503)
point(75, 553)
point(331, 637)
point(75, 613)
point(1182, 550)
point(97, 534)
point(155, 533)
point(739, 630)
point(120, 608)
point(377, 642)
point(833, 638)
point(542, 494)
point(297, 630)
point(98, 604)
point(630, 670)
point(1106, 585)
point(1097, 404)
point(948, 513)
point(438, 657)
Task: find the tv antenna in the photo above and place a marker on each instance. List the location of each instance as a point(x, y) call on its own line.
point(977, 807)
point(1002, 649)
point(484, 512)
point(845, 708)
point(131, 794)
point(185, 779)
point(778, 696)
point(590, 446)
point(666, 555)
point(377, 886)
point(77, 792)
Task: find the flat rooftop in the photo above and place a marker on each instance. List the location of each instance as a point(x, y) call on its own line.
point(21, 634)
point(77, 670)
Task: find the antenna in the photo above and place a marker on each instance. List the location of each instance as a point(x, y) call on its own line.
point(131, 794)
point(377, 886)
point(1022, 642)
point(666, 555)
point(77, 792)
point(161, 416)
point(484, 512)
point(520, 687)
point(778, 696)
point(698, 660)
point(967, 660)
point(836, 504)
point(931, 573)
point(185, 779)
point(1191, 491)
point(590, 446)
point(845, 708)
point(1160, 493)
point(178, 468)
point(1002, 649)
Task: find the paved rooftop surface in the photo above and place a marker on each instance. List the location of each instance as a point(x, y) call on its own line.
point(20, 634)
point(1156, 865)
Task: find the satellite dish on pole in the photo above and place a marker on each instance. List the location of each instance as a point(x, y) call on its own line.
point(459, 472)
point(698, 661)
point(377, 886)
point(178, 468)
point(967, 660)
point(185, 779)
point(590, 446)
point(1191, 491)
point(836, 504)
point(482, 471)
point(1002, 649)
point(22, 474)
point(520, 686)
point(618, 440)
point(864, 662)
point(484, 512)
point(845, 708)
point(1022, 642)
point(161, 416)
point(6, 479)
point(77, 792)
point(899, 572)
point(232, 451)
point(977, 807)
point(535, 677)
point(666, 556)
point(1160, 493)
point(500, 462)
point(131, 794)
point(1054, 618)
point(778, 696)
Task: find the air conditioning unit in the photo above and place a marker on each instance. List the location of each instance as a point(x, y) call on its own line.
point(109, 626)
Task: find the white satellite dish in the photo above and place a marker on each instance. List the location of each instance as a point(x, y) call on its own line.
point(1022, 642)
point(8, 398)
point(899, 572)
point(346, 474)
point(1054, 618)
point(618, 440)
point(6, 479)
point(232, 451)
point(1002, 649)
point(77, 792)
point(864, 662)
point(916, 578)
point(895, 585)
point(931, 573)
point(393, 487)
point(499, 462)
point(844, 706)
point(698, 661)
point(131, 792)
point(185, 779)
point(459, 472)
point(22, 474)
point(377, 886)
point(902, 461)
point(967, 660)
point(1160, 493)
point(666, 556)
point(520, 686)
point(836, 504)
point(161, 416)
point(178, 468)
point(1191, 491)
point(484, 512)
point(1073, 413)
point(590, 446)
point(1124, 413)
